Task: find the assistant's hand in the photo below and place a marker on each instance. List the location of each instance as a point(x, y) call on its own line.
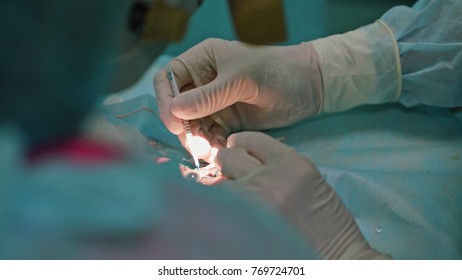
point(247, 87)
point(291, 184)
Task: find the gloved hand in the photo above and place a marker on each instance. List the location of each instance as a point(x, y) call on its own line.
point(248, 87)
point(293, 186)
point(245, 87)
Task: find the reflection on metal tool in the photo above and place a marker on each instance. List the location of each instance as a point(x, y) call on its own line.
point(199, 147)
point(186, 126)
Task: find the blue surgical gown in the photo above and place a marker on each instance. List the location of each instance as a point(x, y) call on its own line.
point(429, 38)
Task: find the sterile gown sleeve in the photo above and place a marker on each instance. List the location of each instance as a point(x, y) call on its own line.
point(429, 37)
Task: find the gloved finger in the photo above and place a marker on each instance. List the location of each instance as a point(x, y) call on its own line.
point(236, 163)
point(229, 119)
point(194, 75)
point(205, 100)
point(182, 138)
point(197, 66)
point(164, 97)
point(192, 68)
point(218, 134)
point(261, 146)
point(213, 131)
point(196, 127)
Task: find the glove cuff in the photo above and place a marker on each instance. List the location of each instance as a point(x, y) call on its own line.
point(359, 67)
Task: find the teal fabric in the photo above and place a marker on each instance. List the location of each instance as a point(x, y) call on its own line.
point(61, 209)
point(398, 170)
point(430, 44)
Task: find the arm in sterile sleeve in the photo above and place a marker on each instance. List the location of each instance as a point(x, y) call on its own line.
point(411, 55)
point(429, 37)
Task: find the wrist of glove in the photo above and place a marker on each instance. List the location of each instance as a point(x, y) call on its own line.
point(289, 183)
point(359, 67)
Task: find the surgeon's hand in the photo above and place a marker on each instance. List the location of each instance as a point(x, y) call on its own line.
point(242, 87)
point(290, 183)
point(231, 86)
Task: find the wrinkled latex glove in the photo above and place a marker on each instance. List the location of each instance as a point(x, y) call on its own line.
point(233, 86)
point(293, 186)
point(242, 87)
point(359, 67)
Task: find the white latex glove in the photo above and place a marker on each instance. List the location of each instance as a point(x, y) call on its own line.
point(248, 87)
point(245, 87)
point(291, 184)
point(359, 67)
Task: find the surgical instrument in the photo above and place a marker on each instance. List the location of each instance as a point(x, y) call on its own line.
point(186, 125)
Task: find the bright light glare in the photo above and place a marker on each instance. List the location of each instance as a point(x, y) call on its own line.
point(198, 146)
